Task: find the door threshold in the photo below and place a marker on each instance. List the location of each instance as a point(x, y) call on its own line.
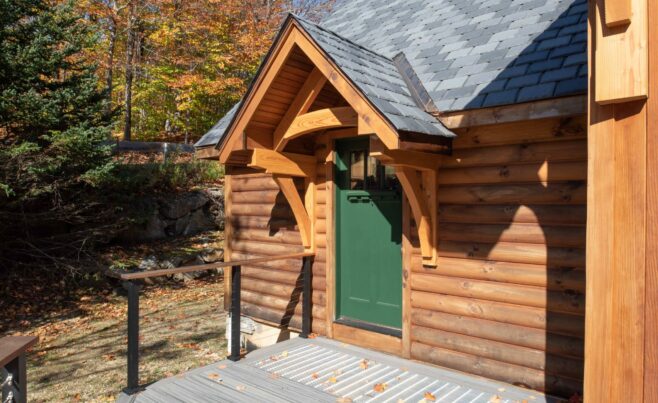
point(371, 327)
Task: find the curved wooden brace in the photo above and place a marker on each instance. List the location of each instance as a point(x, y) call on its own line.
point(289, 190)
point(423, 208)
point(322, 119)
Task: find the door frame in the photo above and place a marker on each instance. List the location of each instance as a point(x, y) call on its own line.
point(347, 334)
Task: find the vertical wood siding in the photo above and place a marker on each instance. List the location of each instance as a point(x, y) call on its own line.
point(507, 298)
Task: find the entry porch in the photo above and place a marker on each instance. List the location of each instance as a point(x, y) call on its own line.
point(323, 370)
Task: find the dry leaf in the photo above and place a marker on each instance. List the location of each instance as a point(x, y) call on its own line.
point(429, 397)
point(241, 388)
point(364, 364)
point(223, 366)
point(501, 389)
point(213, 376)
point(343, 400)
point(315, 375)
point(332, 380)
point(380, 387)
point(495, 399)
point(284, 354)
point(274, 358)
point(274, 375)
point(312, 336)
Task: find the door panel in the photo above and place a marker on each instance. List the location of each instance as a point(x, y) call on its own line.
point(368, 238)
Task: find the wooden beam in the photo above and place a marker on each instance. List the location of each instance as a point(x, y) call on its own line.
point(551, 108)
point(277, 163)
point(421, 210)
point(207, 153)
point(617, 12)
point(621, 55)
point(300, 105)
point(287, 186)
point(328, 118)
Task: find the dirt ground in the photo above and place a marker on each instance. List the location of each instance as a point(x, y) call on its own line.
point(82, 357)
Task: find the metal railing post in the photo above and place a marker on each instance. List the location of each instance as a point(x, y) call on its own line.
point(306, 303)
point(133, 334)
point(235, 313)
point(14, 386)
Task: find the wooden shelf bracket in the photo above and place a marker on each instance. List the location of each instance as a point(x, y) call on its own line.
point(304, 222)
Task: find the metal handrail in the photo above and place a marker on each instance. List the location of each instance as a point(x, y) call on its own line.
point(129, 283)
point(13, 362)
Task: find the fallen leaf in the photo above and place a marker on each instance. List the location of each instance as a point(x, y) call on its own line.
point(213, 375)
point(332, 380)
point(315, 375)
point(429, 397)
point(380, 387)
point(241, 388)
point(364, 364)
point(312, 336)
point(223, 366)
point(274, 375)
point(284, 354)
point(495, 399)
point(274, 358)
point(501, 389)
point(343, 400)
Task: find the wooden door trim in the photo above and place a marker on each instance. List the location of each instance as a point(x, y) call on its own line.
point(367, 339)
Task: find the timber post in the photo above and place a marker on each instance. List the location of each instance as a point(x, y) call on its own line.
point(133, 335)
point(306, 303)
point(235, 313)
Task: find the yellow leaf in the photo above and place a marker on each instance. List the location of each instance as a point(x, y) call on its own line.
point(332, 380)
point(364, 364)
point(495, 399)
point(284, 354)
point(429, 397)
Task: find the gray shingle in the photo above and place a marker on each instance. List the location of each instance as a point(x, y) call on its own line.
point(534, 92)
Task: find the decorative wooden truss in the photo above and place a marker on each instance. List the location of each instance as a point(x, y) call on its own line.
point(416, 170)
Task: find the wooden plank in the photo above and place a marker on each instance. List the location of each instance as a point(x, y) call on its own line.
point(552, 108)
point(572, 215)
point(567, 302)
point(539, 275)
point(530, 131)
point(542, 172)
point(300, 105)
point(13, 346)
point(407, 266)
point(364, 338)
point(502, 352)
point(515, 233)
point(514, 252)
point(557, 193)
point(207, 153)
point(620, 53)
point(525, 316)
point(228, 236)
point(651, 292)
point(554, 151)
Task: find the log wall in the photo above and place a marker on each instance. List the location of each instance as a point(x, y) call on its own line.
point(507, 298)
point(262, 224)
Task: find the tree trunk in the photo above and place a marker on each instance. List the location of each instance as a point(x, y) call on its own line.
point(110, 63)
point(130, 50)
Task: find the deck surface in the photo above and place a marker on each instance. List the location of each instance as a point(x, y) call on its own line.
point(322, 370)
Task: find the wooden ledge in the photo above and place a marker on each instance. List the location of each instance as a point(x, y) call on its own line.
point(13, 346)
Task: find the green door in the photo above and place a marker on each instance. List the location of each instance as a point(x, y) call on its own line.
point(368, 239)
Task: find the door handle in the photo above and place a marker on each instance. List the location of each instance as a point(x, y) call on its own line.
point(358, 198)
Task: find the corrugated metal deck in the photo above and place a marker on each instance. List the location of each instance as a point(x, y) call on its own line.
point(322, 370)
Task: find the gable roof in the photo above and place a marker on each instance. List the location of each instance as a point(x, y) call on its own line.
point(477, 53)
point(459, 54)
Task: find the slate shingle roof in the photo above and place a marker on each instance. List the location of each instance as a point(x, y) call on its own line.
point(476, 53)
point(213, 135)
point(378, 79)
point(467, 54)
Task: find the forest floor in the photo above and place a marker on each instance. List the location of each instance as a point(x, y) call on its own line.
point(81, 354)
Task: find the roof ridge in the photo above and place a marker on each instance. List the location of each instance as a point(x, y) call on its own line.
point(295, 16)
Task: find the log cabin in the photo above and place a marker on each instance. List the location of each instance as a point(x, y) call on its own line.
point(477, 183)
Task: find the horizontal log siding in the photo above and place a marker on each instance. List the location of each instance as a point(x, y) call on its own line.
point(263, 225)
point(507, 298)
